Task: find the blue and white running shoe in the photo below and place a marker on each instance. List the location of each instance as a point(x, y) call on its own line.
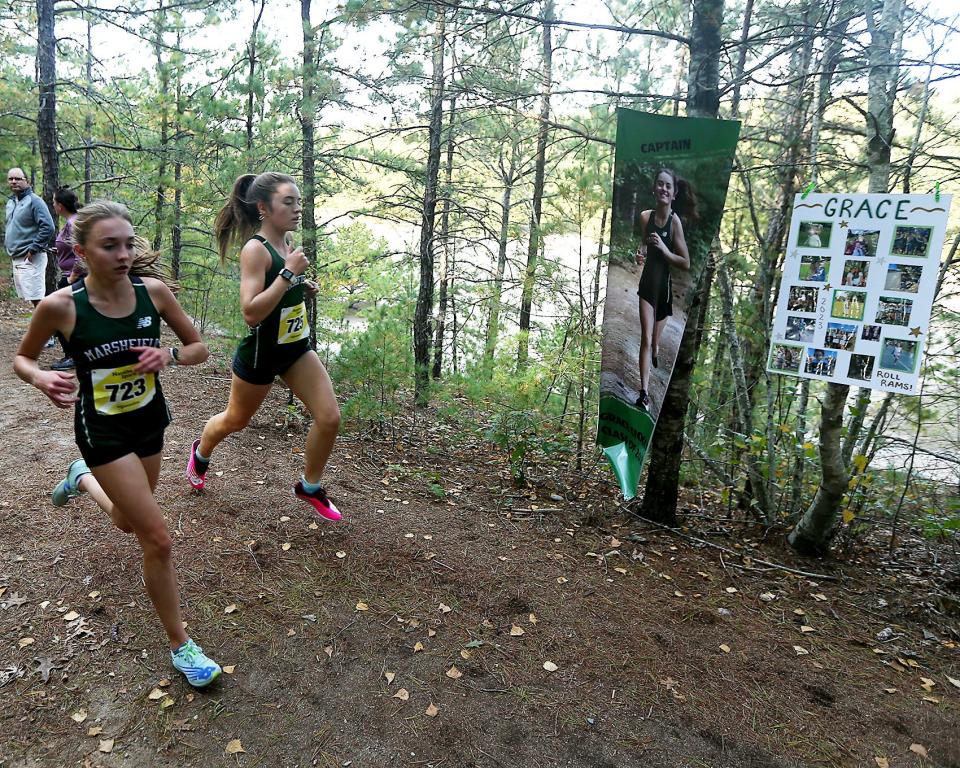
point(69, 487)
point(199, 669)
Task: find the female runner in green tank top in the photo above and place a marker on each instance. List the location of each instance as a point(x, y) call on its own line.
point(260, 212)
point(662, 247)
point(111, 322)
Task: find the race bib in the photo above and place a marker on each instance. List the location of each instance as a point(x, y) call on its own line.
point(121, 390)
point(293, 324)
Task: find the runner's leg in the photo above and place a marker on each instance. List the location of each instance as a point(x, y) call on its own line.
point(245, 400)
point(647, 324)
point(131, 479)
point(310, 382)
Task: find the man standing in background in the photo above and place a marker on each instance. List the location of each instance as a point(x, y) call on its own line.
point(29, 230)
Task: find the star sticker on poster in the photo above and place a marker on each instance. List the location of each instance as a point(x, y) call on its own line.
point(827, 287)
point(778, 337)
point(794, 253)
point(916, 331)
point(882, 260)
point(844, 224)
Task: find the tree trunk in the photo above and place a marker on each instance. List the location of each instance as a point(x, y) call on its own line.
point(88, 120)
point(816, 528)
point(493, 318)
point(533, 246)
point(421, 318)
point(666, 448)
point(446, 268)
point(47, 115)
point(308, 108)
point(251, 73)
point(176, 234)
point(163, 71)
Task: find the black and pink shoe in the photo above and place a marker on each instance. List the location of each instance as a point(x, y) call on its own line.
point(319, 501)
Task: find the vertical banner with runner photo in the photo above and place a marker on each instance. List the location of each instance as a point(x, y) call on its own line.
point(858, 286)
point(669, 187)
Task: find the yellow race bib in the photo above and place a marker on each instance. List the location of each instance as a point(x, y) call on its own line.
point(293, 324)
point(121, 390)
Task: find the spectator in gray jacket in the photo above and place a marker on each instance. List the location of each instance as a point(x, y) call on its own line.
point(29, 230)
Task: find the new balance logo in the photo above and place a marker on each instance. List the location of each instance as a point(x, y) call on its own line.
point(144, 322)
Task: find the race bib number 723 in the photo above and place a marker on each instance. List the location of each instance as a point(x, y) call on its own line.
point(293, 324)
point(121, 390)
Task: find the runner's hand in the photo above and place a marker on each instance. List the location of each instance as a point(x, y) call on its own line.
point(640, 254)
point(152, 359)
point(654, 240)
point(310, 288)
point(296, 262)
point(28, 257)
point(59, 386)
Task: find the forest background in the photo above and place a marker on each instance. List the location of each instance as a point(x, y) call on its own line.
point(456, 162)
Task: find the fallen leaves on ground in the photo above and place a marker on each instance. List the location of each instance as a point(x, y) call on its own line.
point(234, 747)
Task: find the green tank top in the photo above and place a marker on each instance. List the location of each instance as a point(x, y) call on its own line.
point(282, 334)
point(111, 394)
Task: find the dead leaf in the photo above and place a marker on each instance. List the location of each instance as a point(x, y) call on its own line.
point(341, 554)
point(533, 620)
point(286, 546)
point(453, 673)
point(431, 632)
point(431, 711)
point(79, 716)
point(362, 606)
point(953, 681)
point(230, 608)
point(403, 694)
point(799, 612)
point(621, 569)
point(228, 668)
point(615, 542)
point(725, 648)
point(44, 667)
point(164, 683)
point(234, 747)
point(930, 699)
point(927, 683)
point(805, 629)
point(72, 616)
point(561, 580)
point(677, 593)
point(329, 651)
point(881, 762)
point(919, 749)
point(291, 632)
point(391, 676)
point(94, 730)
point(890, 690)
point(445, 608)
point(550, 666)
point(155, 694)
point(167, 702)
point(732, 590)
point(801, 651)
point(819, 597)
point(106, 745)
point(768, 597)
point(417, 647)
point(94, 595)
point(516, 631)
point(465, 655)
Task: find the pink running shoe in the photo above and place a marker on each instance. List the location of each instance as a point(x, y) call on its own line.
point(195, 478)
point(319, 501)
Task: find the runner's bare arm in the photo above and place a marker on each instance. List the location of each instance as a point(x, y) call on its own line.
point(680, 257)
point(256, 301)
point(193, 351)
point(55, 313)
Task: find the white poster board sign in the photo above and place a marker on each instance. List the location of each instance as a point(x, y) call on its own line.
point(857, 289)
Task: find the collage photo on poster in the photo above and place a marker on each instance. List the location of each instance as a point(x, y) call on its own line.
point(857, 289)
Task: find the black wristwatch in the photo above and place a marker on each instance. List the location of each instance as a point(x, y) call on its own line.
point(174, 357)
point(287, 275)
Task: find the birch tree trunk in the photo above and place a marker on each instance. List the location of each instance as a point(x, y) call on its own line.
point(163, 74)
point(421, 317)
point(814, 532)
point(534, 244)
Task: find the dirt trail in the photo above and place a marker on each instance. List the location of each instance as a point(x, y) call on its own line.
point(492, 581)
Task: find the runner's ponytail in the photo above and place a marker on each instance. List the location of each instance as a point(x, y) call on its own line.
point(239, 219)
